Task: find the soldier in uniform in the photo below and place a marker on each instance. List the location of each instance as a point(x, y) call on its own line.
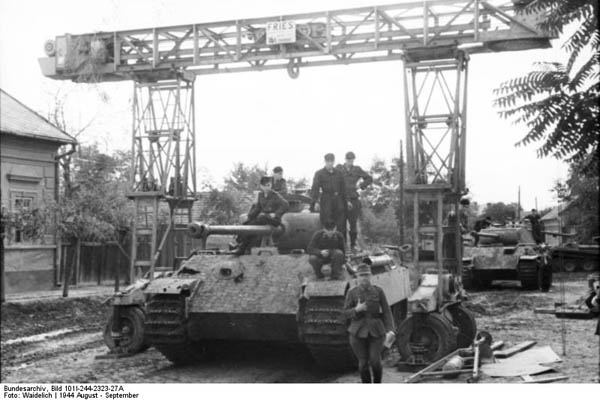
point(268, 210)
point(327, 246)
point(536, 226)
point(352, 174)
point(329, 190)
point(371, 319)
point(481, 224)
point(279, 184)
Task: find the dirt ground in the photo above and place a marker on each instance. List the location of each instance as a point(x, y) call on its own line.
point(59, 341)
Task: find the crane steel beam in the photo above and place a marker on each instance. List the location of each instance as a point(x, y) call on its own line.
point(417, 31)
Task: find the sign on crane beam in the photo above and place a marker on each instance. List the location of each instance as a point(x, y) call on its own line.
point(413, 31)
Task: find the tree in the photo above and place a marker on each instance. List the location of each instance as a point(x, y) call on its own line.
point(559, 103)
point(500, 212)
point(245, 178)
point(221, 207)
point(580, 192)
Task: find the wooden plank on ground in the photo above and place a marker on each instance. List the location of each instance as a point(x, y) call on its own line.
point(530, 379)
point(515, 349)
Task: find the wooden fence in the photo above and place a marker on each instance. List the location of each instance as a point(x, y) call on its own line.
point(102, 263)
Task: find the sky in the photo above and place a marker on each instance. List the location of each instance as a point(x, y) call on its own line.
point(266, 118)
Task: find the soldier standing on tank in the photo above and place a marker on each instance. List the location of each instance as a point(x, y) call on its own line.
point(279, 183)
point(329, 190)
point(479, 225)
point(327, 246)
point(268, 210)
point(352, 174)
point(371, 320)
point(536, 225)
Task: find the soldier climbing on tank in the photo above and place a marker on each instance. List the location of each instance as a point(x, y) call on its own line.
point(279, 183)
point(329, 190)
point(352, 175)
point(268, 210)
point(371, 321)
point(536, 226)
point(449, 239)
point(327, 246)
point(479, 225)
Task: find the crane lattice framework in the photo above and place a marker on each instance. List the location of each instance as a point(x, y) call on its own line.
point(434, 39)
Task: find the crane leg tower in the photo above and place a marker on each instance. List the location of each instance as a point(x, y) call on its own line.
point(163, 171)
point(435, 116)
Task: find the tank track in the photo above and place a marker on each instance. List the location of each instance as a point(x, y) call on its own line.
point(323, 328)
point(165, 320)
point(165, 329)
point(529, 275)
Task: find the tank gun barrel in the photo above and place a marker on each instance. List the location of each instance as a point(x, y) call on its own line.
point(200, 230)
point(487, 235)
point(558, 234)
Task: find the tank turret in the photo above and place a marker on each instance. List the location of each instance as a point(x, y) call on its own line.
point(505, 236)
point(506, 253)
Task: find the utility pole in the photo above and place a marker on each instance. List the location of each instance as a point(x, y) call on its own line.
point(519, 205)
point(401, 194)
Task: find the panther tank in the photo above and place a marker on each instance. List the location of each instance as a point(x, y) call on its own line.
point(506, 253)
point(269, 295)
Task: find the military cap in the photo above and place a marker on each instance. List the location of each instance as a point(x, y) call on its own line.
point(265, 179)
point(329, 157)
point(350, 155)
point(363, 269)
point(277, 170)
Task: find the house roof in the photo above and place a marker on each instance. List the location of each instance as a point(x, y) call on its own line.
point(554, 213)
point(20, 120)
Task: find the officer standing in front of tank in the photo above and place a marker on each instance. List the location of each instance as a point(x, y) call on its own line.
point(371, 320)
point(267, 210)
point(329, 190)
point(352, 174)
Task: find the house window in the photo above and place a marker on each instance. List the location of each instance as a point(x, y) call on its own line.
point(21, 200)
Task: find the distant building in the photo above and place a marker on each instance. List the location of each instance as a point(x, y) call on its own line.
point(554, 221)
point(29, 180)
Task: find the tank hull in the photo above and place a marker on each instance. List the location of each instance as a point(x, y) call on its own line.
point(272, 298)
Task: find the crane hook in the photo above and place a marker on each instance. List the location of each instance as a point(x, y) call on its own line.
point(293, 68)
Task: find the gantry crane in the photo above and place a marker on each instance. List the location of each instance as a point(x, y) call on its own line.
point(434, 40)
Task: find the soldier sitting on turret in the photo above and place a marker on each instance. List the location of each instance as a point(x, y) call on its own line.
point(327, 246)
point(268, 210)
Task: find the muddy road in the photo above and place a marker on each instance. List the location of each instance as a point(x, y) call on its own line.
point(61, 341)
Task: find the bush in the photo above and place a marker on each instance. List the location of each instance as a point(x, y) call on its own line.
point(381, 227)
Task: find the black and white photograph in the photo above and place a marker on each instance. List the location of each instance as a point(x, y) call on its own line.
point(299, 192)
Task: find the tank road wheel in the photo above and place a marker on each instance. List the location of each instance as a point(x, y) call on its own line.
point(545, 277)
point(464, 320)
point(323, 329)
point(570, 266)
point(426, 336)
point(132, 331)
point(529, 275)
point(590, 266)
